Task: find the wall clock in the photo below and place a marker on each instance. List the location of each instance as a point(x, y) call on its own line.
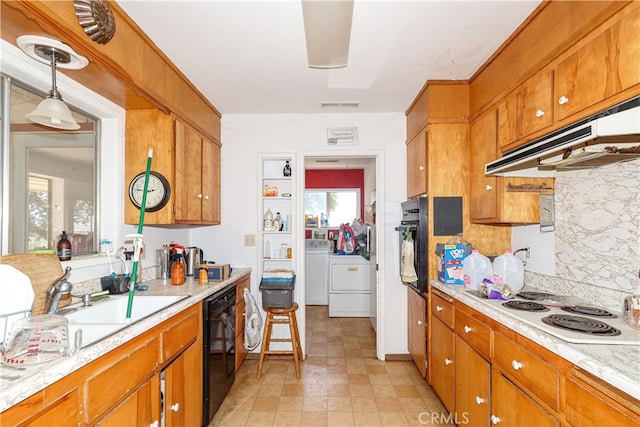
point(158, 191)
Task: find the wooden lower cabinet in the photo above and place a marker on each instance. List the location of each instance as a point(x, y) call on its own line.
point(140, 409)
point(183, 390)
point(442, 363)
point(123, 387)
point(241, 350)
point(473, 380)
point(417, 330)
point(512, 407)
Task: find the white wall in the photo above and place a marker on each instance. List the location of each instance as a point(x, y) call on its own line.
point(244, 136)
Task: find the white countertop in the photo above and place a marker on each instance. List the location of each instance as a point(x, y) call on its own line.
point(38, 377)
point(618, 365)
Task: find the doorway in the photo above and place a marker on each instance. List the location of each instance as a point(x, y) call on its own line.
point(371, 163)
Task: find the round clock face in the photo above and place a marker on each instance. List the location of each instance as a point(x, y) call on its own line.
point(158, 191)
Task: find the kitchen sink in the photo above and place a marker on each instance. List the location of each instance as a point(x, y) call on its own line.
point(108, 316)
point(92, 332)
point(114, 309)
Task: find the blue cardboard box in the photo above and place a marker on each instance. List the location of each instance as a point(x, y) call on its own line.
point(451, 258)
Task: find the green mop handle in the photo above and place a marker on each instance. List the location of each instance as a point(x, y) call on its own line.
point(134, 271)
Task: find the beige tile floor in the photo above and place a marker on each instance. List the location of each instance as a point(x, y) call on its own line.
point(342, 384)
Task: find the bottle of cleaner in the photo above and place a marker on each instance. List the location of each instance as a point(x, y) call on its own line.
point(177, 269)
point(508, 270)
point(475, 268)
point(64, 247)
point(268, 220)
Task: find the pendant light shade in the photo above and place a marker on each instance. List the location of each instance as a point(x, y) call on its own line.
point(327, 29)
point(52, 111)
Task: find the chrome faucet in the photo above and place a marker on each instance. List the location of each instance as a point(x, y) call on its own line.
point(61, 286)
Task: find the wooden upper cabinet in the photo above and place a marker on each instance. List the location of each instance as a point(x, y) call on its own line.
point(604, 65)
point(529, 109)
point(189, 161)
point(496, 200)
point(482, 150)
point(417, 165)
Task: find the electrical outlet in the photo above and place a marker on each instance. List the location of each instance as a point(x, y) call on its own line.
point(249, 239)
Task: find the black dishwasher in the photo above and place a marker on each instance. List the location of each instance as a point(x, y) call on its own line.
point(219, 316)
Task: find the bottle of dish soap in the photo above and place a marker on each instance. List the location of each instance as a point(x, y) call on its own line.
point(64, 247)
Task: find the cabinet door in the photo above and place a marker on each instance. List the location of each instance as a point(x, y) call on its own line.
point(139, 409)
point(417, 165)
point(183, 389)
point(442, 372)
point(526, 111)
point(417, 331)
point(210, 182)
point(511, 407)
point(482, 150)
point(603, 67)
point(472, 375)
point(188, 187)
point(146, 129)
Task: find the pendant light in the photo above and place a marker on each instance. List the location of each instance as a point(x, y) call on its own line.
point(327, 30)
point(52, 111)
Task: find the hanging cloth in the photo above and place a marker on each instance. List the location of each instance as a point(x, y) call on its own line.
point(253, 322)
point(407, 264)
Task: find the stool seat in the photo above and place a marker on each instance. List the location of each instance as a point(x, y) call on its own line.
point(282, 316)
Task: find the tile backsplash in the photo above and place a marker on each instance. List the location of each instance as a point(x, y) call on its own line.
point(597, 234)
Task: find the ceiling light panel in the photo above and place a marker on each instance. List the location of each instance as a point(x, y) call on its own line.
point(327, 29)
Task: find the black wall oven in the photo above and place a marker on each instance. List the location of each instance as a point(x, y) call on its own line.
point(415, 221)
point(219, 361)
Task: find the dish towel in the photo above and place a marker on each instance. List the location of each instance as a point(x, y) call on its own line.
point(407, 269)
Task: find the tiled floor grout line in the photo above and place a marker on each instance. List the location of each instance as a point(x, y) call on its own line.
point(342, 384)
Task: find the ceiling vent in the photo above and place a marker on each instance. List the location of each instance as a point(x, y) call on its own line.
point(354, 104)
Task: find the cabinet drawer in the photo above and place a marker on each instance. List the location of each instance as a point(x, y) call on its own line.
point(474, 332)
point(527, 370)
point(442, 309)
point(179, 336)
point(350, 278)
point(585, 407)
point(120, 378)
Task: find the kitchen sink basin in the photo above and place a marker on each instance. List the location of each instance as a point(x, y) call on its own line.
point(108, 316)
point(114, 309)
point(92, 332)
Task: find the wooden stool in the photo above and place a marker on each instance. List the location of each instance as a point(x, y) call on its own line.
point(283, 316)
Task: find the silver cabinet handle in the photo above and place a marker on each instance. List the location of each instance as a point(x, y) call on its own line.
point(199, 196)
point(467, 329)
point(419, 322)
point(539, 113)
point(563, 100)
point(516, 365)
point(206, 197)
point(156, 423)
point(448, 362)
point(439, 308)
point(421, 168)
point(479, 400)
point(494, 419)
point(488, 187)
point(175, 407)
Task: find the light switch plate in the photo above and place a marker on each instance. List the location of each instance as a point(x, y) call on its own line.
point(249, 239)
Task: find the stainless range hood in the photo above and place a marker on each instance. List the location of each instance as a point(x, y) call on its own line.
point(607, 137)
